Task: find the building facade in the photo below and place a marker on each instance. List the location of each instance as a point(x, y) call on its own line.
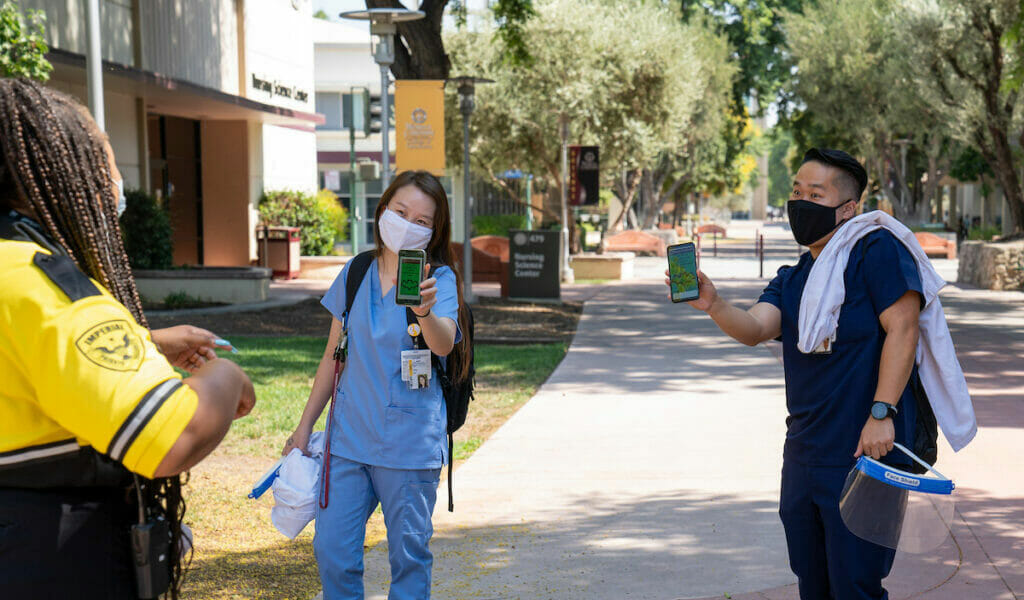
point(208, 104)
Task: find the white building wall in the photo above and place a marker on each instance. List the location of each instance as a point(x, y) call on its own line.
point(65, 26)
point(289, 159)
point(279, 53)
point(191, 40)
point(121, 128)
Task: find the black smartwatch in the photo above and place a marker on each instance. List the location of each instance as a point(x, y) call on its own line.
point(881, 410)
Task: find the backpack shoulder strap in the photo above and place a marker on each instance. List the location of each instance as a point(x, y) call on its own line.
point(356, 273)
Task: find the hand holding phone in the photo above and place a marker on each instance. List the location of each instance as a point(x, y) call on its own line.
point(410, 276)
point(682, 271)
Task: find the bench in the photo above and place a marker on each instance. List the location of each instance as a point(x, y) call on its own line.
point(934, 245)
point(641, 242)
point(711, 230)
point(486, 267)
point(492, 244)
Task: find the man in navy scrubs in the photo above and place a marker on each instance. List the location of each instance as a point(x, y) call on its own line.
point(851, 396)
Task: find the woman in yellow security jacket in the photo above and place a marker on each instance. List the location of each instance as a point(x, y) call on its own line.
point(92, 414)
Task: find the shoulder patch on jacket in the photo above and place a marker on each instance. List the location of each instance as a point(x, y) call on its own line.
point(63, 272)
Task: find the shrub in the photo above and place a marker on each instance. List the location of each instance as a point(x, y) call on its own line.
point(338, 214)
point(984, 233)
point(146, 229)
point(497, 224)
point(320, 218)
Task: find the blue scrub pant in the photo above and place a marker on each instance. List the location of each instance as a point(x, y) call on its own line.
point(830, 562)
point(407, 499)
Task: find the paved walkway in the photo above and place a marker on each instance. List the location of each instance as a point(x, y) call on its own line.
point(648, 465)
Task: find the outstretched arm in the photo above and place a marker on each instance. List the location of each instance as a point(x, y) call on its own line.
point(760, 323)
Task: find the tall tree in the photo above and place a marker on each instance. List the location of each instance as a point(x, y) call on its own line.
point(974, 69)
point(628, 78)
point(420, 53)
point(22, 43)
point(857, 77)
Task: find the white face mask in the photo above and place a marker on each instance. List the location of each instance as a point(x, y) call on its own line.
point(122, 202)
point(399, 234)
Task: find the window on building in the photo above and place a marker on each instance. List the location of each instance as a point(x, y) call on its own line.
point(329, 105)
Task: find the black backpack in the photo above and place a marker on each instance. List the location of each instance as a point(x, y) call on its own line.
point(456, 395)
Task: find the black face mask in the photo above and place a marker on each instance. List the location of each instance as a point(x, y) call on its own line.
point(811, 222)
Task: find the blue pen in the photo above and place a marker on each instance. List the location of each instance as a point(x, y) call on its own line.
point(264, 482)
point(223, 342)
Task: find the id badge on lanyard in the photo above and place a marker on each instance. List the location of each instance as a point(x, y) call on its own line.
point(416, 369)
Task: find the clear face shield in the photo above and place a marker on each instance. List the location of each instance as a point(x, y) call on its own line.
point(897, 509)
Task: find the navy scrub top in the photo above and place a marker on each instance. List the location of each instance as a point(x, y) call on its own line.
point(829, 396)
point(377, 420)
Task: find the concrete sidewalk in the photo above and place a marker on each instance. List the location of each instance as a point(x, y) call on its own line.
point(648, 465)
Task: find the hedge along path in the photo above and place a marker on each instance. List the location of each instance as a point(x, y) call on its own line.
point(239, 553)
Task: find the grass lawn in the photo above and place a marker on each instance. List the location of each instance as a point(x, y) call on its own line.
point(238, 552)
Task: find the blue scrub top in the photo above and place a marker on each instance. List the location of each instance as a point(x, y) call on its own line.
point(377, 420)
point(829, 396)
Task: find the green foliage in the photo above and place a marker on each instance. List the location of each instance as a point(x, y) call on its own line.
point(984, 233)
point(780, 178)
point(632, 79)
point(754, 30)
point(320, 223)
point(969, 166)
point(327, 201)
point(23, 43)
point(146, 229)
point(497, 224)
point(177, 300)
point(320, 14)
point(512, 17)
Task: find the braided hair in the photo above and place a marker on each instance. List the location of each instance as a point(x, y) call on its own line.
point(57, 162)
point(54, 167)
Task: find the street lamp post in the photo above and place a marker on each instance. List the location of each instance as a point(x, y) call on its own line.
point(563, 127)
point(467, 103)
point(94, 63)
point(384, 26)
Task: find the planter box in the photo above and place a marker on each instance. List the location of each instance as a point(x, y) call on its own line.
point(992, 265)
point(322, 267)
point(229, 285)
point(610, 265)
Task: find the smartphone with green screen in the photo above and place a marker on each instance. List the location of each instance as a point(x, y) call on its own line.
point(682, 272)
point(410, 275)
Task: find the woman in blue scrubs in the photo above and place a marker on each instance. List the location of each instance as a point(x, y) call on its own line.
point(387, 441)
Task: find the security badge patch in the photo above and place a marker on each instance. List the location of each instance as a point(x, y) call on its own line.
point(113, 345)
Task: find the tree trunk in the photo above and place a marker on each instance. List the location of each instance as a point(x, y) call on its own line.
point(419, 51)
point(627, 201)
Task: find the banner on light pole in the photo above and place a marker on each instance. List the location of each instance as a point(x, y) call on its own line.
point(419, 125)
point(584, 172)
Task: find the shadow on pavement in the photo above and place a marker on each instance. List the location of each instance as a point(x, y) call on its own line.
point(602, 548)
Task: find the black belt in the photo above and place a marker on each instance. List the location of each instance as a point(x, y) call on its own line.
point(57, 466)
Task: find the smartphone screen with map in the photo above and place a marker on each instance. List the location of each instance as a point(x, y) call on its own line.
point(682, 271)
point(410, 274)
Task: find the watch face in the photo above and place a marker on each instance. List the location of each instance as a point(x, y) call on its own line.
point(879, 411)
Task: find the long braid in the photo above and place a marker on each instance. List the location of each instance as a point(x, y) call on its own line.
point(60, 166)
point(53, 163)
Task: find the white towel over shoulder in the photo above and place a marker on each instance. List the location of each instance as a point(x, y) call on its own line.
point(941, 374)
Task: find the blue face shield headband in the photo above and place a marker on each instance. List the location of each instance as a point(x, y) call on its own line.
point(897, 509)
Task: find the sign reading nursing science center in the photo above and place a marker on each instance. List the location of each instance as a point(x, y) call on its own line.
point(534, 265)
point(419, 125)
